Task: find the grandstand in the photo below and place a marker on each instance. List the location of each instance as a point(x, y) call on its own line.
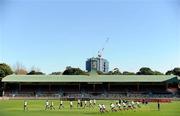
point(91, 86)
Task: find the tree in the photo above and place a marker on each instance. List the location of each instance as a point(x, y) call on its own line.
point(2, 73)
point(36, 69)
point(169, 72)
point(145, 71)
point(176, 71)
point(19, 69)
point(5, 70)
point(35, 73)
point(21, 72)
point(158, 73)
point(116, 71)
point(74, 71)
point(100, 73)
point(56, 73)
point(128, 73)
point(110, 73)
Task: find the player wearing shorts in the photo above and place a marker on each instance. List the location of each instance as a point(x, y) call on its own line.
point(113, 109)
point(130, 106)
point(90, 103)
point(25, 105)
point(100, 108)
point(71, 104)
point(133, 104)
point(158, 105)
point(85, 104)
point(47, 105)
point(138, 104)
point(94, 102)
point(61, 104)
point(52, 106)
point(124, 106)
point(118, 105)
point(78, 103)
point(104, 108)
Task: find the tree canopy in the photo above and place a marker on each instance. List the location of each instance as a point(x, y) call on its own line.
point(35, 73)
point(5, 70)
point(148, 71)
point(74, 71)
point(158, 73)
point(19, 69)
point(128, 73)
point(2, 73)
point(175, 71)
point(115, 71)
point(56, 73)
point(100, 73)
point(145, 71)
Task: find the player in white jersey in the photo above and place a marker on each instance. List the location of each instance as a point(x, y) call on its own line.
point(85, 104)
point(124, 106)
point(130, 106)
point(100, 108)
point(138, 104)
point(94, 102)
point(47, 105)
point(133, 104)
point(71, 104)
point(118, 105)
point(90, 103)
point(61, 104)
point(78, 103)
point(52, 105)
point(25, 105)
point(113, 109)
point(104, 108)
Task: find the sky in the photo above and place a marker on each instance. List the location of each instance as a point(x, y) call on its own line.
point(53, 34)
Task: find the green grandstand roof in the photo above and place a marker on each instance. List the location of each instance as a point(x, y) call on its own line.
point(91, 78)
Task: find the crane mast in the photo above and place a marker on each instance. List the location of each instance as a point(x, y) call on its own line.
point(100, 52)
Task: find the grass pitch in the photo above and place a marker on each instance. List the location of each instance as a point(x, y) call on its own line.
point(36, 108)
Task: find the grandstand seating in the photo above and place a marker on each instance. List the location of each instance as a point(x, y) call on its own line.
point(91, 86)
point(87, 91)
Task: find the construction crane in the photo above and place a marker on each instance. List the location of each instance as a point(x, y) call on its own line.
point(100, 52)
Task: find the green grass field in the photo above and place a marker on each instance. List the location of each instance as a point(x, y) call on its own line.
point(36, 108)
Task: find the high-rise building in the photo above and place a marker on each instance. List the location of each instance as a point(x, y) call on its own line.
point(98, 63)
